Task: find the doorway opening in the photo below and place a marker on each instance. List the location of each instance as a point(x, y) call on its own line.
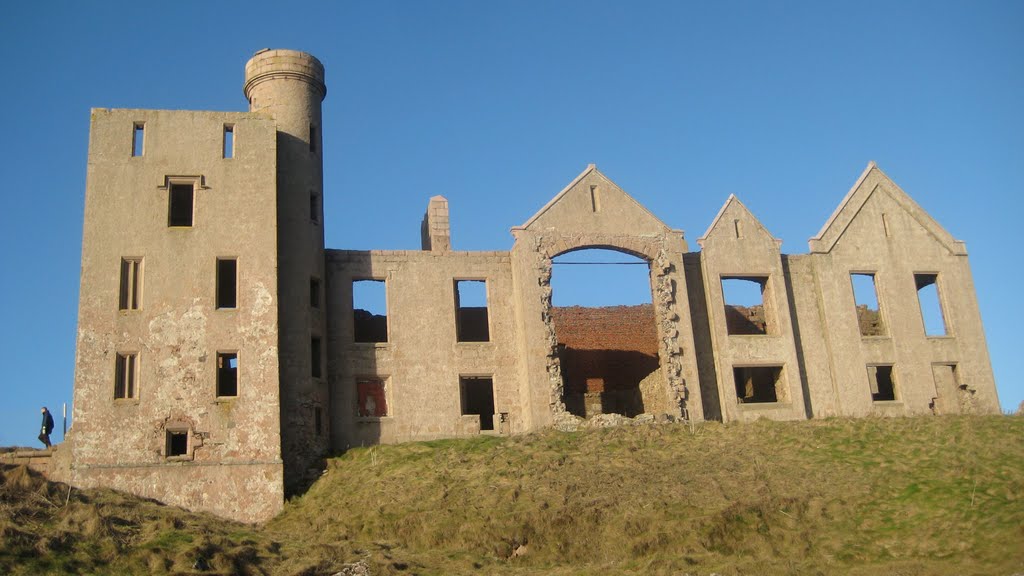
point(477, 394)
point(607, 336)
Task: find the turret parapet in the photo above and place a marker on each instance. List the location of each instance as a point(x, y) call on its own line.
point(277, 64)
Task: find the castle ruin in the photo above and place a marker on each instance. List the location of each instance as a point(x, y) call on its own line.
point(220, 356)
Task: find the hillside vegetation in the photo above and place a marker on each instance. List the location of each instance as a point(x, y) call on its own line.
point(910, 496)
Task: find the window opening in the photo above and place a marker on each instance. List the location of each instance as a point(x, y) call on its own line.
point(865, 295)
point(312, 138)
point(227, 283)
point(736, 228)
point(607, 339)
point(314, 207)
point(314, 292)
point(744, 305)
point(930, 304)
point(883, 387)
point(227, 374)
point(314, 356)
point(885, 225)
point(471, 311)
point(758, 384)
point(477, 395)
point(229, 141)
point(177, 443)
point(124, 376)
point(181, 200)
point(139, 139)
point(369, 310)
point(371, 398)
point(318, 420)
point(595, 199)
point(131, 269)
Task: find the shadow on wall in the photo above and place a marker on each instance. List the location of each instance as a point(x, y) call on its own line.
point(605, 381)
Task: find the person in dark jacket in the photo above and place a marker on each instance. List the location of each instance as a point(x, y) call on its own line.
point(47, 427)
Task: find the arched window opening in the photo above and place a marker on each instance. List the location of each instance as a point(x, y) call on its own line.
point(607, 335)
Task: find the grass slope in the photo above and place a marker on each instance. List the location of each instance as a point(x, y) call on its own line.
point(907, 496)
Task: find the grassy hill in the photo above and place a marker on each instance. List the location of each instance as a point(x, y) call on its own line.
point(911, 496)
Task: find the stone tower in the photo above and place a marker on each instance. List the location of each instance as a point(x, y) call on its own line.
point(289, 86)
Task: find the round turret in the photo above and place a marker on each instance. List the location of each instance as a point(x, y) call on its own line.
point(268, 65)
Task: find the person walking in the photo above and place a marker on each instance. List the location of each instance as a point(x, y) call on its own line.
point(47, 427)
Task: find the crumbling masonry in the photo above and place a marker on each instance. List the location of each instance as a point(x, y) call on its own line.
point(220, 354)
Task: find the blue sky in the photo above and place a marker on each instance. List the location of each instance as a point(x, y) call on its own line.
point(498, 105)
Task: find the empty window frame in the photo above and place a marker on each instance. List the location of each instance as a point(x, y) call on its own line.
point(759, 384)
point(314, 293)
point(477, 398)
point(126, 376)
point(229, 141)
point(131, 284)
point(176, 443)
point(745, 312)
point(227, 374)
point(471, 315)
point(369, 310)
point(314, 357)
point(930, 304)
point(882, 382)
point(227, 283)
point(180, 203)
point(371, 398)
point(869, 312)
point(138, 138)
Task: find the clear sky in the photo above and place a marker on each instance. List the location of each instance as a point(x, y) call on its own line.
point(499, 104)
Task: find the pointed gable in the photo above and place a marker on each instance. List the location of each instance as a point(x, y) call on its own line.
point(871, 182)
point(592, 203)
point(736, 221)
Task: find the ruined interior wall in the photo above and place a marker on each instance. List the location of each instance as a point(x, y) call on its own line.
point(611, 350)
point(752, 253)
point(894, 249)
point(177, 331)
point(422, 360)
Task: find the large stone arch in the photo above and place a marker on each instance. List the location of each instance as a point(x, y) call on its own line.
point(593, 212)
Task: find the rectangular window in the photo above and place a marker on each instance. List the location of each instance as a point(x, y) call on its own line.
point(314, 207)
point(318, 420)
point(314, 356)
point(744, 304)
point(179, 212)
point(177, 443)
point(759, 384)
point(313, 138)
point(138, 138)
point(477, 395)
point(314, 293)
point(227, 374)
point(131, 284)
point(229, 141)
point(930, 304)
point(371, 398)
point(227, 283)
point(865, 296)
point(882, 383)
point(369, 310)
point(125, 376)
point(471, 311)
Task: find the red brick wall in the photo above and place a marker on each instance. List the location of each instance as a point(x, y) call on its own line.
point(607, 352)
